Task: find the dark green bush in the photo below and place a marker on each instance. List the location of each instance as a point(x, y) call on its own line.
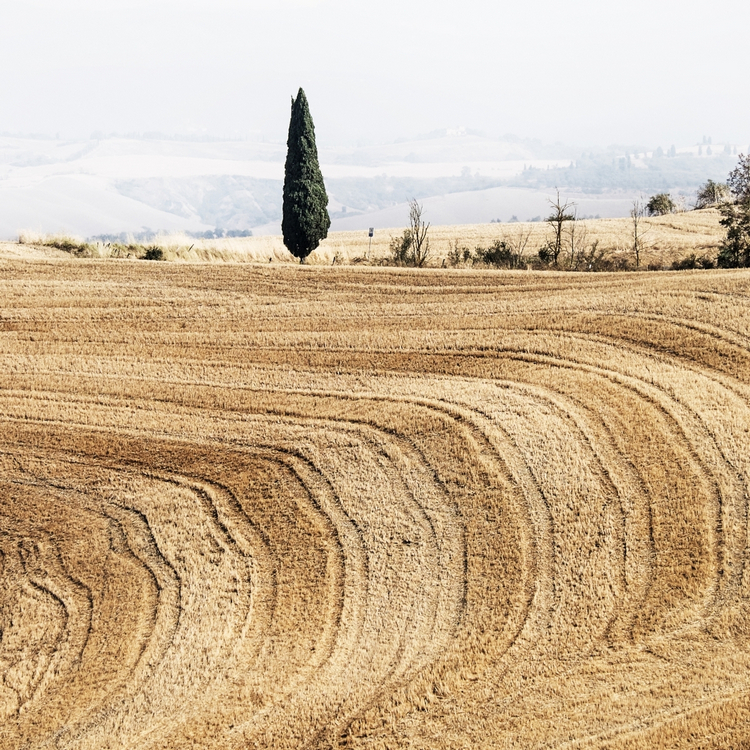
point(498, 254)
point(401, 249)
point(739, 179)
point(458, 254)
point(735, 249)
point(660, 204)
point(711, 194)
point(692, 261)
point(70, 246)
point(547, 254)
point(154, 252)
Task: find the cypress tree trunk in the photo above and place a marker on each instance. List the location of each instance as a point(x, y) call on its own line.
point(305, 219)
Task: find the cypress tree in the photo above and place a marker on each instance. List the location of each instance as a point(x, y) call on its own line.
point(305, 219)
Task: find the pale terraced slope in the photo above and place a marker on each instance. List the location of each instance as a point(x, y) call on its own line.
point(285, 508)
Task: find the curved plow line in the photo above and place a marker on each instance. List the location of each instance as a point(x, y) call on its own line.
point(716, 451)
point(720, 424)
point(136, 538)
point(541, 393)
point(77, 602)
point(546, 394)
point(233, 526)
point(490, 462)
point(502, 453)
point(609, 468)
point(666, 395)
point(658, 720)
point(330, 686)
point(141, 542)
point(703, 450)
point(120, 545)
point(721, 334)
point(487, 436)
point(233, 532)
point(658, 397)
point(348, 562)
point(607, 372)
point(443, 535)
point(224, 516)
point(625, 486)
point(535, 637)
point(68, 425)
point(37, 582)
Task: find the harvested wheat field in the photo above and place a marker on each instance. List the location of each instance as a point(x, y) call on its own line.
point(302, 507)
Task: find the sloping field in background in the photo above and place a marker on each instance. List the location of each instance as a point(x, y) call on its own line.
point(665, 239)
point(482, 206)
point(311, 507)
point(81, 204)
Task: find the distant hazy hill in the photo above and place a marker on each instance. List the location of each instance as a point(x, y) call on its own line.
point(113, 185)
point(447, 146)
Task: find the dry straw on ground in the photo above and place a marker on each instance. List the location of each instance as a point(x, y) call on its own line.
point(282, 507)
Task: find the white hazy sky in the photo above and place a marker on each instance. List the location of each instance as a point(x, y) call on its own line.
point(586, 72)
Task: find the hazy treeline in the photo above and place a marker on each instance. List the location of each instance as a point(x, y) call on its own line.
point(238, 202)
point(598, 173)
point(227, 202)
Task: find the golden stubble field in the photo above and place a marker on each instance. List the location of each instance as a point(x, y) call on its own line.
point(289, 507)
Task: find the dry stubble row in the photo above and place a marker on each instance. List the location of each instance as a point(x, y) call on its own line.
point(252, 507)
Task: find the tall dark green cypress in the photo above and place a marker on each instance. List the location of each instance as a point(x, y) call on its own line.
point(305, 220)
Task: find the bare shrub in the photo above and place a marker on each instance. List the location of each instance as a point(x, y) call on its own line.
point(458, 254)
point(560, 214)
point(412, 248)
point(637, 213)
point(420, 242)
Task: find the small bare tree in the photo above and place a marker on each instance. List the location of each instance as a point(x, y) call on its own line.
point(420, 242)
point(592, 258)
point(637, 214)
point(577, 240)
point(585, 254)
point(517, 242)
point(558, 216)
